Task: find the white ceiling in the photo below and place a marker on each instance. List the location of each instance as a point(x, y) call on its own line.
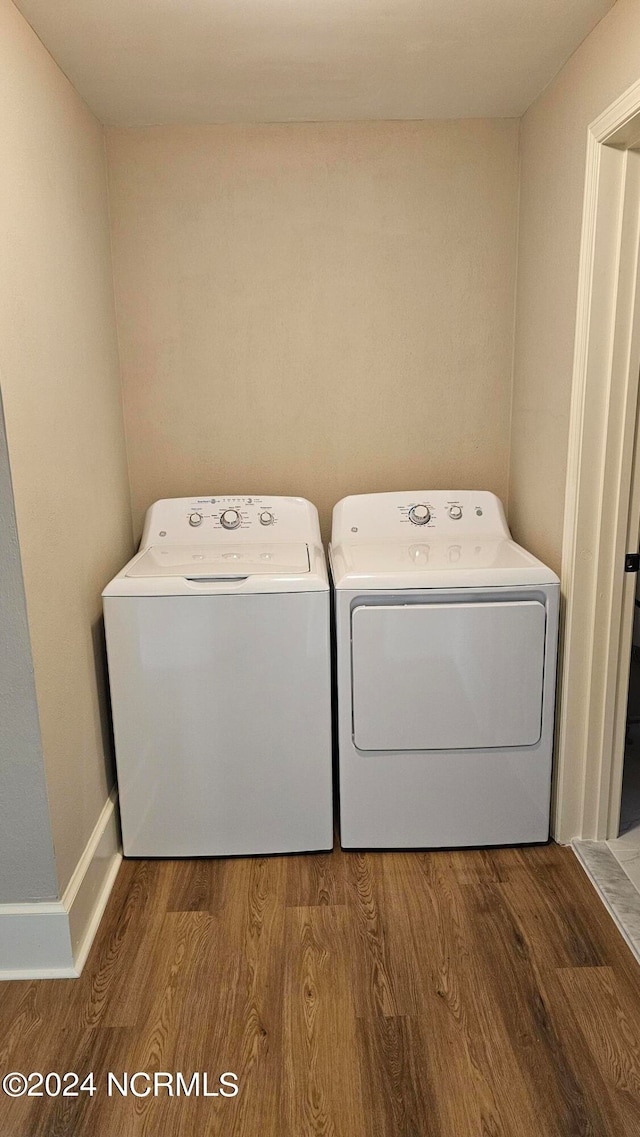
point(194, 61)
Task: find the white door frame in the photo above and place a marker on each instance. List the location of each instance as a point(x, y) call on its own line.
point(602, 499)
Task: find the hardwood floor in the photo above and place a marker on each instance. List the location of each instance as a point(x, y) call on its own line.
point(448, 994)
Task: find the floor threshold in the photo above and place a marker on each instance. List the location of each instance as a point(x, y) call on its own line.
point(615, 888)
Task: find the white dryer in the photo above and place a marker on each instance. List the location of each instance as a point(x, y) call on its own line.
point(219, 666)
point(446, 634)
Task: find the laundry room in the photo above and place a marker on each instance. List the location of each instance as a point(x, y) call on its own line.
point(319, 514)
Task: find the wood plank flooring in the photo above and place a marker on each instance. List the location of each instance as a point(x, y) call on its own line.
point(446, 994)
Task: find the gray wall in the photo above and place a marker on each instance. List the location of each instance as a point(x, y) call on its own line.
point(63, 413)
point(27, 866)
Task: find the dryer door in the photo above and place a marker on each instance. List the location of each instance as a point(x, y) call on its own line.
point(447, 676)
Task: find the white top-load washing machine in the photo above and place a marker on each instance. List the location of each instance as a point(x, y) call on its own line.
point(446, 637)
point(219, 666)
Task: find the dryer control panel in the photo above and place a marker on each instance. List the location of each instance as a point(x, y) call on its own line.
point(217, 520)
point(396, 516)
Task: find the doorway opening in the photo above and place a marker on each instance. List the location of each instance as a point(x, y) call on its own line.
point(602, 515)
point(625, 840)
point(630, 800)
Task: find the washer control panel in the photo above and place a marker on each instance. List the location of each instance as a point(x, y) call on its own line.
point(214, 520)
point(231, 513)
point(395, 516)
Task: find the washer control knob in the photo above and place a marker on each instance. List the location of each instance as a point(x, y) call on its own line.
point(195, 519)
point(455, 512)
point(266, 518)
point(419, 514)
point(230, 519)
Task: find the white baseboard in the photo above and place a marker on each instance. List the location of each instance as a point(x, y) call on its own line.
point(51, 939)
point(86, 894)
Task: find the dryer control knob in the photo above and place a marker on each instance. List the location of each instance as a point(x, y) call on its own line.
point(419, 514)
point(195, 519)
point(230, 519)
point(455, 512)
point(266, 518)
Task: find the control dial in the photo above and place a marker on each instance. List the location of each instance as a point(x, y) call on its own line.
point(419, 514)
point(266, 518)
point(455, 512)
point(230, 519)
point(195, 519)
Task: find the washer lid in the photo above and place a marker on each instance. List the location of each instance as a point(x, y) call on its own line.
point(463, 563)
point(208, 562)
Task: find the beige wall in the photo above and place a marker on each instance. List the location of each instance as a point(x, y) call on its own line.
point(59, 367)
point(553, 151)
point(316, 309)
